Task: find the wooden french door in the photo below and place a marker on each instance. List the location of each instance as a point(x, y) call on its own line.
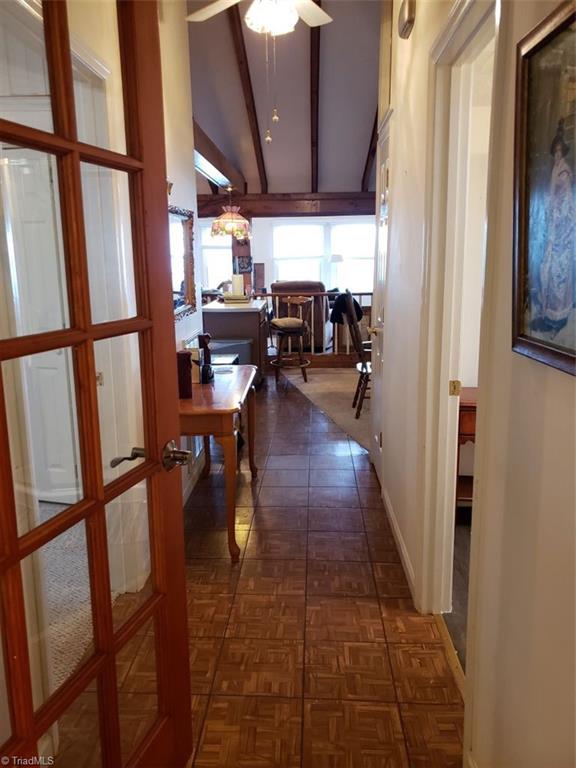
point(94, 649)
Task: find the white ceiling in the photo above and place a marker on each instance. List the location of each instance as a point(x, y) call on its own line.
point(347, 102)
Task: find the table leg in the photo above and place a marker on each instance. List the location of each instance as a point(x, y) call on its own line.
point(207, 457)
point(228, 443)
point(251, 430)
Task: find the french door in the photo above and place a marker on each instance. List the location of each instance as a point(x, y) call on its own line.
point(94, 649)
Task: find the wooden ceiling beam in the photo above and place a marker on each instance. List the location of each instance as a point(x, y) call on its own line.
point(314, 101)
point(205, 147)
point(293, 204)
point(370, 156)
point(235, 22)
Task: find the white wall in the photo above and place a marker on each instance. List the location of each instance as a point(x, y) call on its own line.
point(522, 629)
point(402, 420)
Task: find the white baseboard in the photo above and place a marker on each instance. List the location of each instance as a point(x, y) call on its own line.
point(194, 470)
point(470, 762)
point(404, 556)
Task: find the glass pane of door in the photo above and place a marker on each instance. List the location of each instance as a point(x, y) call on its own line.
point(40, 402)
point(5, 725)
point(74, 739)
point(98, 93)
point(58, 610)
point(33, 296)
point(24, 85)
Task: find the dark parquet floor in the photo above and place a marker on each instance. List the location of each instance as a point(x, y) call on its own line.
point(309, 653)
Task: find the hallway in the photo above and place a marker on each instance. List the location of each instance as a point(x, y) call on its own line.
point(309, 652)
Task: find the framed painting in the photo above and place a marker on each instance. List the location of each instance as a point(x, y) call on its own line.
point(544, 306)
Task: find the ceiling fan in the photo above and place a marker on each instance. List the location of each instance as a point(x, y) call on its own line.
point(273, 17)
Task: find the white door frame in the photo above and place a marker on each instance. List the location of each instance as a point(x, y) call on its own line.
point(440, 294)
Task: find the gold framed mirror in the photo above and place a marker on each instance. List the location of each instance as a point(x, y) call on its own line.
point(181, 221)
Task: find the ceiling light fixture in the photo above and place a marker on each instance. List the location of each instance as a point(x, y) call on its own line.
point(272, 17)
point(231, 222)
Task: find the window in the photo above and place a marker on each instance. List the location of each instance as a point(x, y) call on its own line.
point(298, 251)
point(355, 243)
point(216, 257)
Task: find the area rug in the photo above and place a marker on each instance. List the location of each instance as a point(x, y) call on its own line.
point(332, 390)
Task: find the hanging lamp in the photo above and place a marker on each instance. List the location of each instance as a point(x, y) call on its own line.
point(272, 17)
point(231, 222)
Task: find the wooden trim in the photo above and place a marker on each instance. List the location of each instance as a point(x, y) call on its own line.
point(371, 155)
point(21, 346)
point(204, 145)
point(55, 18)
point(314, 102)
point(451, 655)
point(235, 23)
point(293, 204)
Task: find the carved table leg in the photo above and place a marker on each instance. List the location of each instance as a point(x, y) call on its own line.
point(251, 430)
point(228, 443)
point(207, 457)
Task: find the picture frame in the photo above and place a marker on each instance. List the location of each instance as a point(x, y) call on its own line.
point(544, 273)
point(181, 222)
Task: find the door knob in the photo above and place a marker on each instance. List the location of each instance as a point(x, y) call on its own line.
point(373, 331)
point(137, 453)
point(173, 457)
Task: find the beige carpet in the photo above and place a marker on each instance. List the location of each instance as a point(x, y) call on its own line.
point(332, 390)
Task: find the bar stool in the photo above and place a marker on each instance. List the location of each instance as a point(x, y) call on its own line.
point(288, 328)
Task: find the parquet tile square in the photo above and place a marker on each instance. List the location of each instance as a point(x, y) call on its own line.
point(212, 577)
point(434, 734)
point(79, 734)
point(280, 519)
point(264, 617)
point(295, 461)
point(251, 732)
point(370, 498)
point(343, 619)
point(260, 667)
point(348, 671)
point(403, 623)
point(328, 519)
point(319, 461)
point(422, 675)
point(324, 545)
point(350, 734)
point(273, 577)
point(390, 580)
point(339, 579)
point(208, 614)
point(142, 677)
point(137, 714)
point(362, 461)
point(376, 520)
point(330, 447)
point(212, 543)
point(382, 547)
point(367, 478)
point(203, 653)
point(124, 660)
point(283, 497)
point(334, 497)
point(332, 477)
point(285, 477)
point(199, 707)
point(209, 517)
point(276, 545)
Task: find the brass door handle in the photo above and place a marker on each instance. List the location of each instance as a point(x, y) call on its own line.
point(374, 331)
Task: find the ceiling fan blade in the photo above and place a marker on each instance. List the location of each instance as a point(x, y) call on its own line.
point(311, 13)
point(211, 10)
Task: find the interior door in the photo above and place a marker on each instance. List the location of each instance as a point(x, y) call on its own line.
point(93, 632)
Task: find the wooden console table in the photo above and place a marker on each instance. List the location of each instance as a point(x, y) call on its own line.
point(214, 409)
point(466, 434)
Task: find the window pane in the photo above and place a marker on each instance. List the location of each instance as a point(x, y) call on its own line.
point(128, 534)
point(354, 240)
point(298, 269)
point(5, 725)
point(33, 296)
point(97, 73)
point(106, 203)
point(24, 85)
point(298, 241)
point(119, 403)
point(206, 238)
point(355, 275)
point(58, 610)
point(43, 433)
point(217, 265)
point(74, 739)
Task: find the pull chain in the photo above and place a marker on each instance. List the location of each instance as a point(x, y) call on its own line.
point(275, 115)
point(268, 134)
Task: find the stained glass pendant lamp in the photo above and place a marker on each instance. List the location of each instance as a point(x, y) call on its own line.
point(231, 222)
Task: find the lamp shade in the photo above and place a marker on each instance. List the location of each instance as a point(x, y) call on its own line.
point(231, 222)
point(273, 17)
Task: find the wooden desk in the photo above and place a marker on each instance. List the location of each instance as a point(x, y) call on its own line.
point(214, 410)
point(466, 434)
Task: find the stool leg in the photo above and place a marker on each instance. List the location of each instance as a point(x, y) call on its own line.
point(365, 382)
point(301, 357)
point(278, 365)
point(358, 388)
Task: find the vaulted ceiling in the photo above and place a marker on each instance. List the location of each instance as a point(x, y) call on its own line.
point(346, 102)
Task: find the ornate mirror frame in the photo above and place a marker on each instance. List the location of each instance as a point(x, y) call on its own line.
point(185, 303)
